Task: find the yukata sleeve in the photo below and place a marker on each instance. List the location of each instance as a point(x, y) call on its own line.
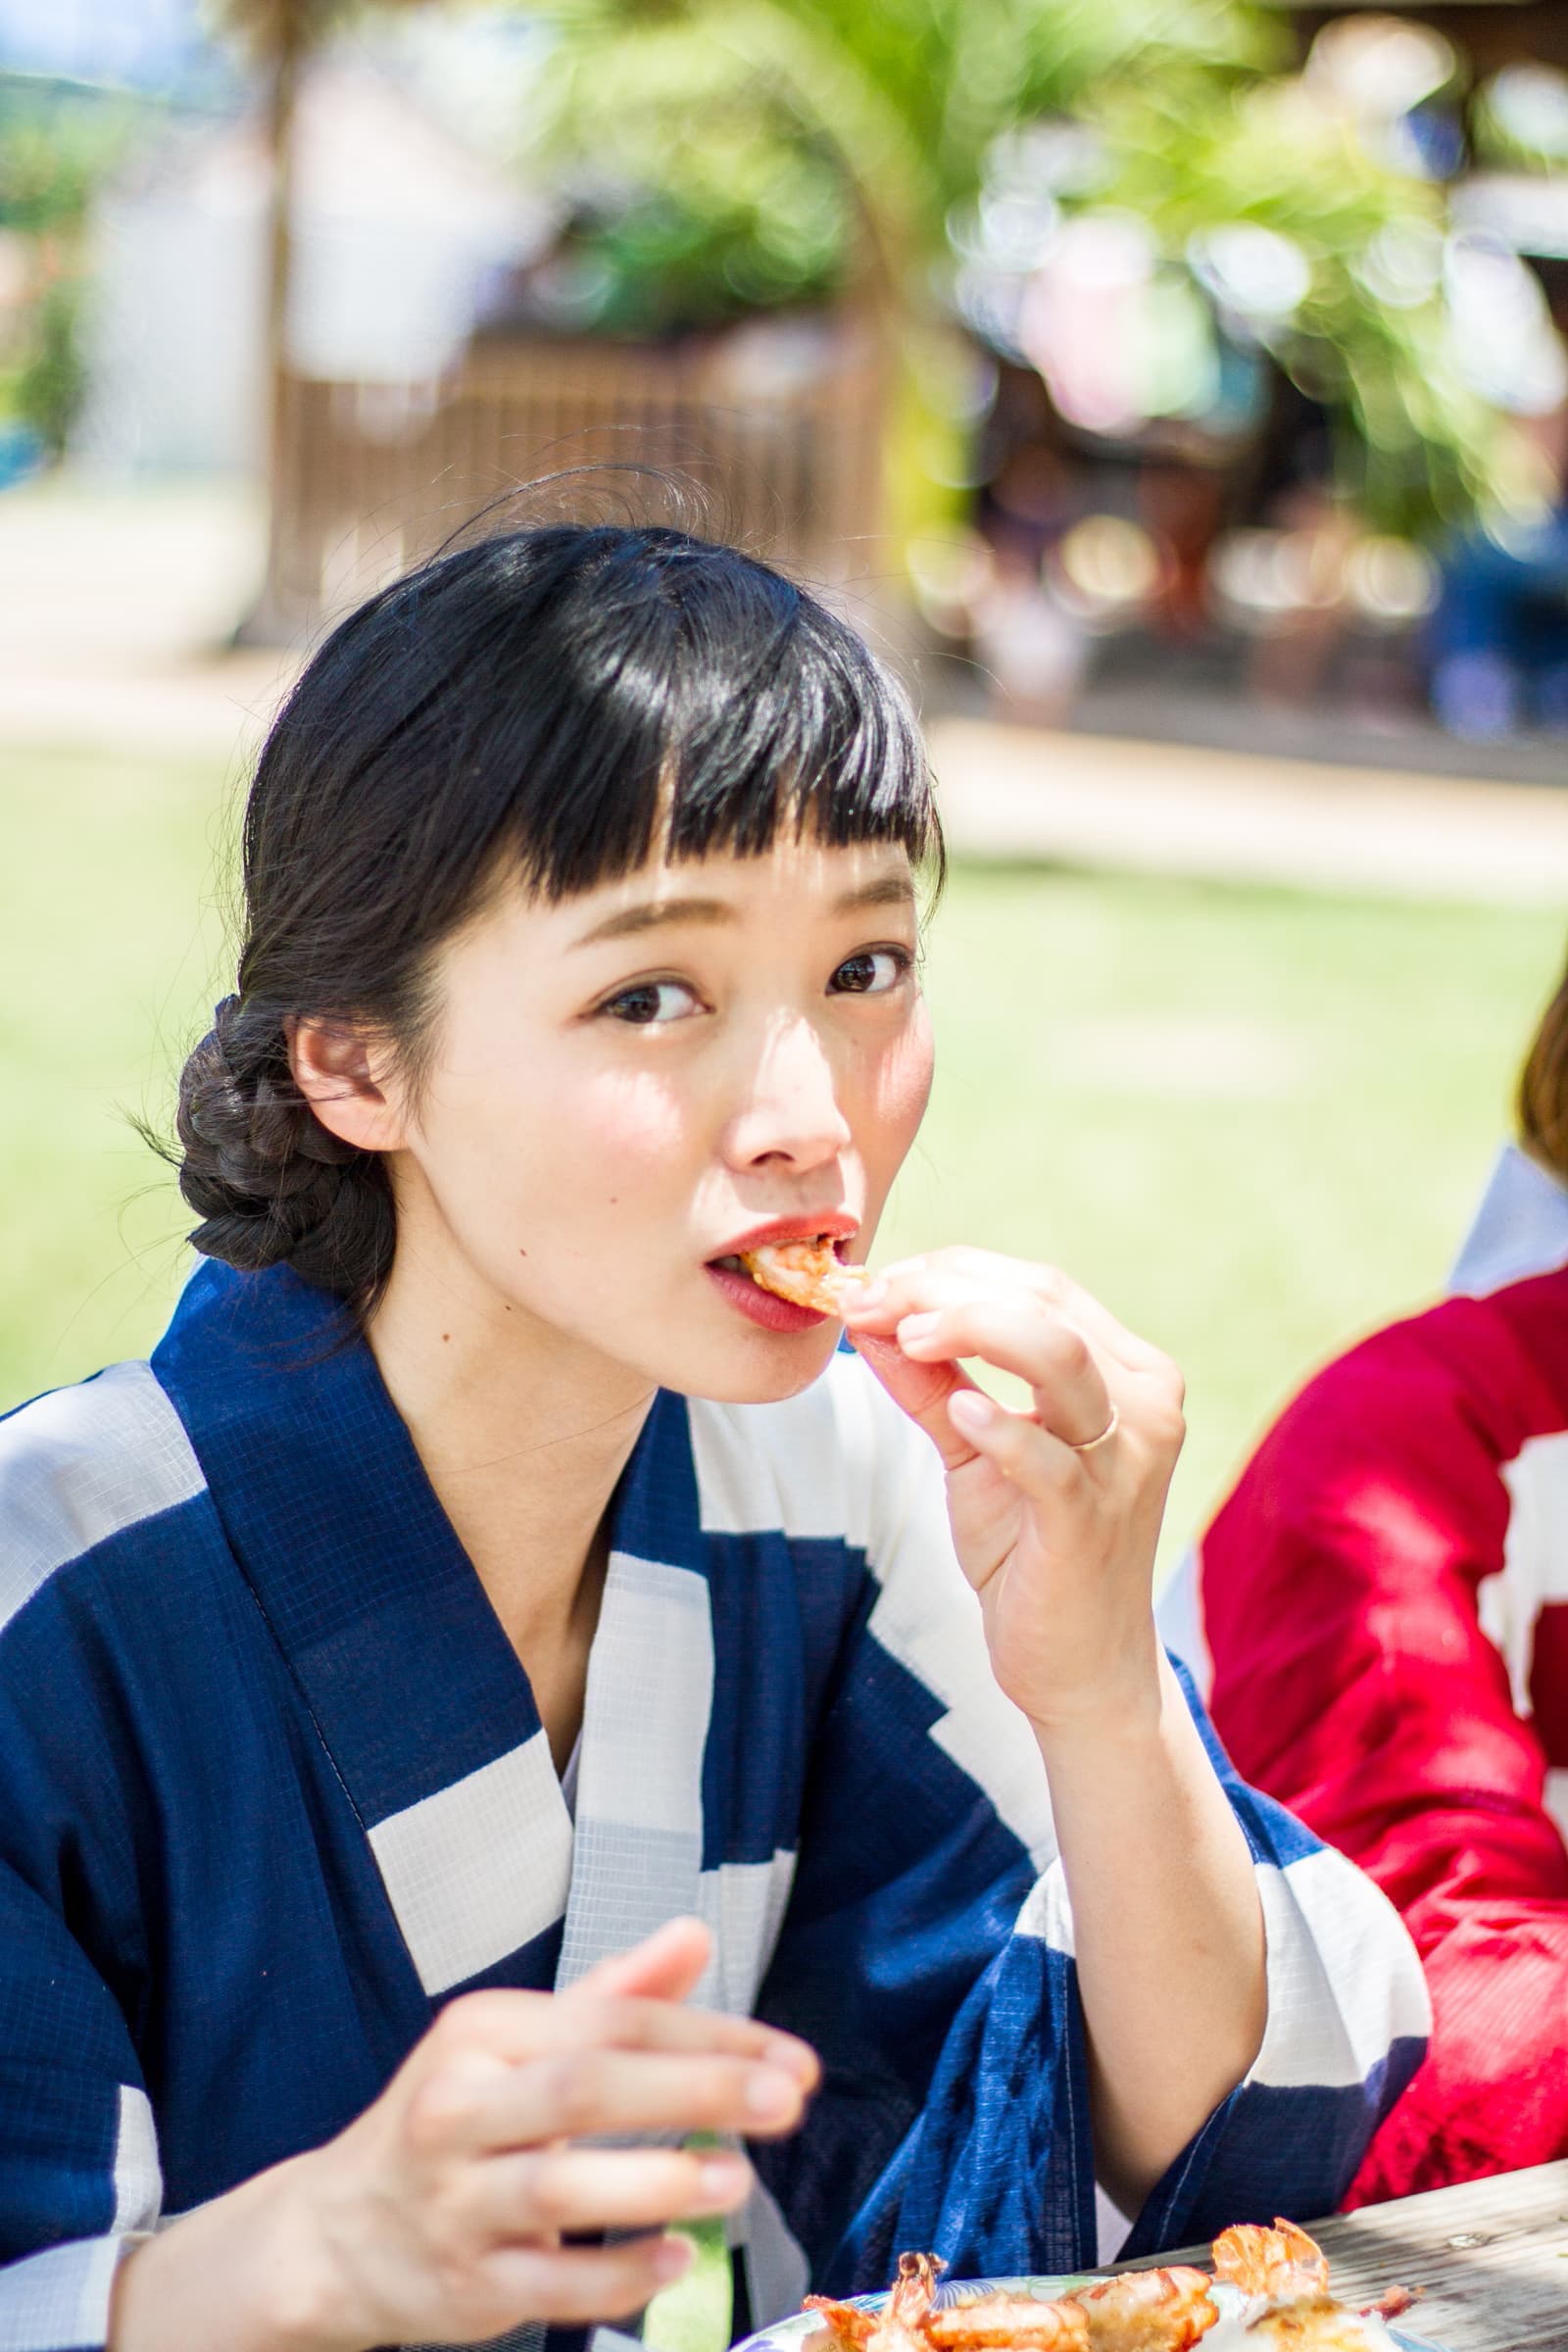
point(927, 1950)
point(1343, 1593)
point(79, 2158)
point(79, 2176)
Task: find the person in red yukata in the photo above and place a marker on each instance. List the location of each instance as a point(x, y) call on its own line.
point(1379, 1617)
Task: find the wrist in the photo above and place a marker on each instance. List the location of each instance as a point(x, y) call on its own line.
point(248, 2273)
point(305, 2277)
point(1122, 1707)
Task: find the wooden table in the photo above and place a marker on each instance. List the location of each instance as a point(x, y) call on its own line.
point(1492, 2255)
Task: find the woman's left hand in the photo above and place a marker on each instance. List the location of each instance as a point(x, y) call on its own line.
point(1056, 1512)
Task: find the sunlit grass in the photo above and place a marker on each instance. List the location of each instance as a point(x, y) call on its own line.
point(1252, 1121)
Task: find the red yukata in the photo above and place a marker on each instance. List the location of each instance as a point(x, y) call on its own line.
point(1379, 1621)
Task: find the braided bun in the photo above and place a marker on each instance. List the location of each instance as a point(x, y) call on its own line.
point(271, 1184)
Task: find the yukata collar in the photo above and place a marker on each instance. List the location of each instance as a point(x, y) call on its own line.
point(376, 1605)
point(1519, 1229)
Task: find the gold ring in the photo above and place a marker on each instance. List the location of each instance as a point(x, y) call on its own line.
point(1105, 1437)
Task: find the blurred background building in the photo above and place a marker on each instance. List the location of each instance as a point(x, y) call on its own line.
point(1192, 370)
point(1176, 385)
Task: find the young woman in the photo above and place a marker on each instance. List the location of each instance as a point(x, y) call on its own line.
point(499, 1694)
point(1382, 1611)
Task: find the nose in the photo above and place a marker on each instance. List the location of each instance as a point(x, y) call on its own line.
point(790, 1108)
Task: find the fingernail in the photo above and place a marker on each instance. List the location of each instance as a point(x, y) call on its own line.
point(721, 2179)
point(972, 1411)
point(869, 1291)
point(795, 2058)
point(672, 2259)
point(915, 1327)
point(773, 2095)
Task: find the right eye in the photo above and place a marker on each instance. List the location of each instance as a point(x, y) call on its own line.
point(652, 1004)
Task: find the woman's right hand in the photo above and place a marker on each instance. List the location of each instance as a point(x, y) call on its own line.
point(438, 2216)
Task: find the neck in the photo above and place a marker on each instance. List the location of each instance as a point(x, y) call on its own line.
point(522, 1432)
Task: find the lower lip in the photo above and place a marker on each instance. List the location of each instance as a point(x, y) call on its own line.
point(773, 1314)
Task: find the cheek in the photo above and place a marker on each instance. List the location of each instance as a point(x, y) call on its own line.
point(636, 1123)
point(901, 1084)
point(566, 1147)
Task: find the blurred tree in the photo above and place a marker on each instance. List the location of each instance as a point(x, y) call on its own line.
point(57, 140)
point(277, 37)
point(789, 149)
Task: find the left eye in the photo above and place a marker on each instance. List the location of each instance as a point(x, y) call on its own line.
point(870, 973)
point(653, 1004)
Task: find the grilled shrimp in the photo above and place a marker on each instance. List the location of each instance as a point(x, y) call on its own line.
point(1283, 2264)
point(1321, 2325)
point(806, 1273)
point(1288, 2272)
point(1148, 2311)
point(901, 2326)
point(983, 2321)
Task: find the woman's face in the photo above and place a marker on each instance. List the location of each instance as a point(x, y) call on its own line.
point(637, 1083)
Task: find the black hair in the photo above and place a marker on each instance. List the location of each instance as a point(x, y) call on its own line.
point(555, 703)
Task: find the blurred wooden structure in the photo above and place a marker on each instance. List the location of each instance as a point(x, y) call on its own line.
point(779, 422)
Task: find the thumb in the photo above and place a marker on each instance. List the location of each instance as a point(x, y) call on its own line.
point(665, 1966)
point(921, 1391)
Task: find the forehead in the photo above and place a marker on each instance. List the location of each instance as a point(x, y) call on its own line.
point(790, 887)
point(810, 875)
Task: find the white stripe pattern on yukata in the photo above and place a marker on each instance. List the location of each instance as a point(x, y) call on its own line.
point(479, 1867)
point(637, 1855)
point(82, 1464)
point(1336, 2002)
point(55, 2301)
point(777, 2270)
point(744, 1904)
point(841, 1460)
point(138, 2176)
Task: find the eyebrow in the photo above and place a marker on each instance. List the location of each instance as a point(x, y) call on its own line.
point(889, 890)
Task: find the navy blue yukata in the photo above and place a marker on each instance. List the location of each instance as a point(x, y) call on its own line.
point(274, 1787)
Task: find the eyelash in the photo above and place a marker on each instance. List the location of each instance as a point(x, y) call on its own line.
point(903, 961)
point(904, 964)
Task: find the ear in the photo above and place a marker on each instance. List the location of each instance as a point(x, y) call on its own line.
point(343, 1075)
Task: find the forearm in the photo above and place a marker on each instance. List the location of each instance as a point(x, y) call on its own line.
point(238, 2275)
point(1168, 1928)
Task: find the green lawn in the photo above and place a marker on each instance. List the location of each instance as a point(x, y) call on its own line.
point(1253, 1121)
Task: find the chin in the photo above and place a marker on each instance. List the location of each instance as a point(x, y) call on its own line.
point(766, 1373)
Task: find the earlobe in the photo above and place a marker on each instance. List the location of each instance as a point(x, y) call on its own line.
point(339, 1070)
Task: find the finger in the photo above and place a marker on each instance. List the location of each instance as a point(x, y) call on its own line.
point(588, 2092)
point(1042, 1466)
point(570, 2191)
point(947, 1277)
point(923, 1391)
point(943, 1278)
point(508, 2029)
point(596, 2022)
point(668, 1964)
point(1032, 1342)
point(584, 2283)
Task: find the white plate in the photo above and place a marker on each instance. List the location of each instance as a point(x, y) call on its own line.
point(786, 2336)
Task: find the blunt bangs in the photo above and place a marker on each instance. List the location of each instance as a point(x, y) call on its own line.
point(568, 702)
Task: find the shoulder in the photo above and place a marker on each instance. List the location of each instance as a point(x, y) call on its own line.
point(1400, 1458)
point(839, 1461)
point(1496, 1362)
point(84, 1467)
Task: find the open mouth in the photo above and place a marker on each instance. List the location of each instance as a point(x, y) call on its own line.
point(821, 1245)
point(804, 1273)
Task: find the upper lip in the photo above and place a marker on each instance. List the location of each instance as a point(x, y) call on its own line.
point(837, 1227)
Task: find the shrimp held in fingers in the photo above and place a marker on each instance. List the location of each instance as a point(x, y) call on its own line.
point(805, 1273)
